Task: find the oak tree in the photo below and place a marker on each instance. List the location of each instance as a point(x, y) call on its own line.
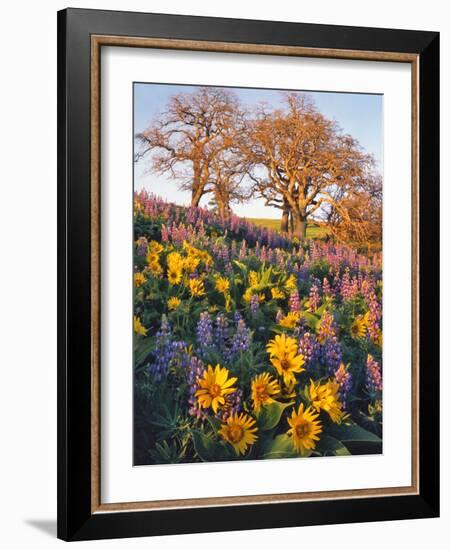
point(192, 139)
point(299, 159)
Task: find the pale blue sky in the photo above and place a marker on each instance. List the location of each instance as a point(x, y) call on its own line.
point(360, 115)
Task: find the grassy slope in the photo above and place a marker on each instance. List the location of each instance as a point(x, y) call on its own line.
point(313, 231)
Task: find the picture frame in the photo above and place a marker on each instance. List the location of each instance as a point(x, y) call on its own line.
point(81, 36)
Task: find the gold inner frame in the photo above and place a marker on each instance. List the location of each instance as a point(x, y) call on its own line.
point(97, 41)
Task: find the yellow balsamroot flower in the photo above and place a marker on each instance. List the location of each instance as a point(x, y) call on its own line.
point(190, 264)
point(155, 247)
point(196, 253)
point(358, 328)
point(174, 261)
point(174, 303)
point(222, 284)
point(215, 385)
point(375, 409)
point(281, 344)
point(239, 430)
point(288, 365)
point(196, 287)
point(326, 397)
point(304, 429)
point(263, 388)
point(205, 257)
point(284, 357)
point(139, 279)
point(291, 282)
point(288, 391)
point(138, 327)
point(155, 268)
point(152, 257)
point(277, 294)
point(253, 278)
point(174, 276)
point(290, 320)
point(189, 249)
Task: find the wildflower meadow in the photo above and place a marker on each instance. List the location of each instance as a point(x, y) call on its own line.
point(249, 343)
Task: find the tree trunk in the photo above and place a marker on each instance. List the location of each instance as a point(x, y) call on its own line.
point(284, 221)
point(221, 210)
point(299, 226)
point(196, 195)
point(196, 186)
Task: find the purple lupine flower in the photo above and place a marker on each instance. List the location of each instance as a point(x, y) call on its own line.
point(243, 252)
point(346, 286)
point(373, 375)
point(225, 254)
point(326, 327)
point(327, 289)
point(241, 340)
point(204, 332)
point(295, 304)
point(167, 350)
point(331, 355)
point(374, 317)
point(193, 373)
point(309, 347)
point(164, 234)
point(221, 331)
point(344, 380)
point(237, 316)
point(336, 284)
point(232, 405)
point(254, 304)
point(314, 298)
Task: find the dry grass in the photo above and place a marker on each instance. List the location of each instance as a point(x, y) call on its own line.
point(314, 231)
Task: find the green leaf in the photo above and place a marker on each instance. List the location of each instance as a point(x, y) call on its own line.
point(311, 319)
point(330, 445)
point(207, 448)
point(214, 422)
point(142, 349)
point(269, 415)
point(279, 447)
point(352, 432)
point(321, 309)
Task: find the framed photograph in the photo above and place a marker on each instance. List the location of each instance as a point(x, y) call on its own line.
point(248, 274)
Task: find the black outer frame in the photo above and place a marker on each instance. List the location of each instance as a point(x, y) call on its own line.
point(75, 520)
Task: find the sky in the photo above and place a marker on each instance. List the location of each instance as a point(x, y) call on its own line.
point(360, 115)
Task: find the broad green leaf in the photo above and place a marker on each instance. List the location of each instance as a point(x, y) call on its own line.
point(142, 349)
point(321, 309)
point(331, 445)
point(241, 266)
point(280, 447)
point(214, 422)
point(207, 448)
point(347, 433)
point(269, 415)
point(311, 319)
